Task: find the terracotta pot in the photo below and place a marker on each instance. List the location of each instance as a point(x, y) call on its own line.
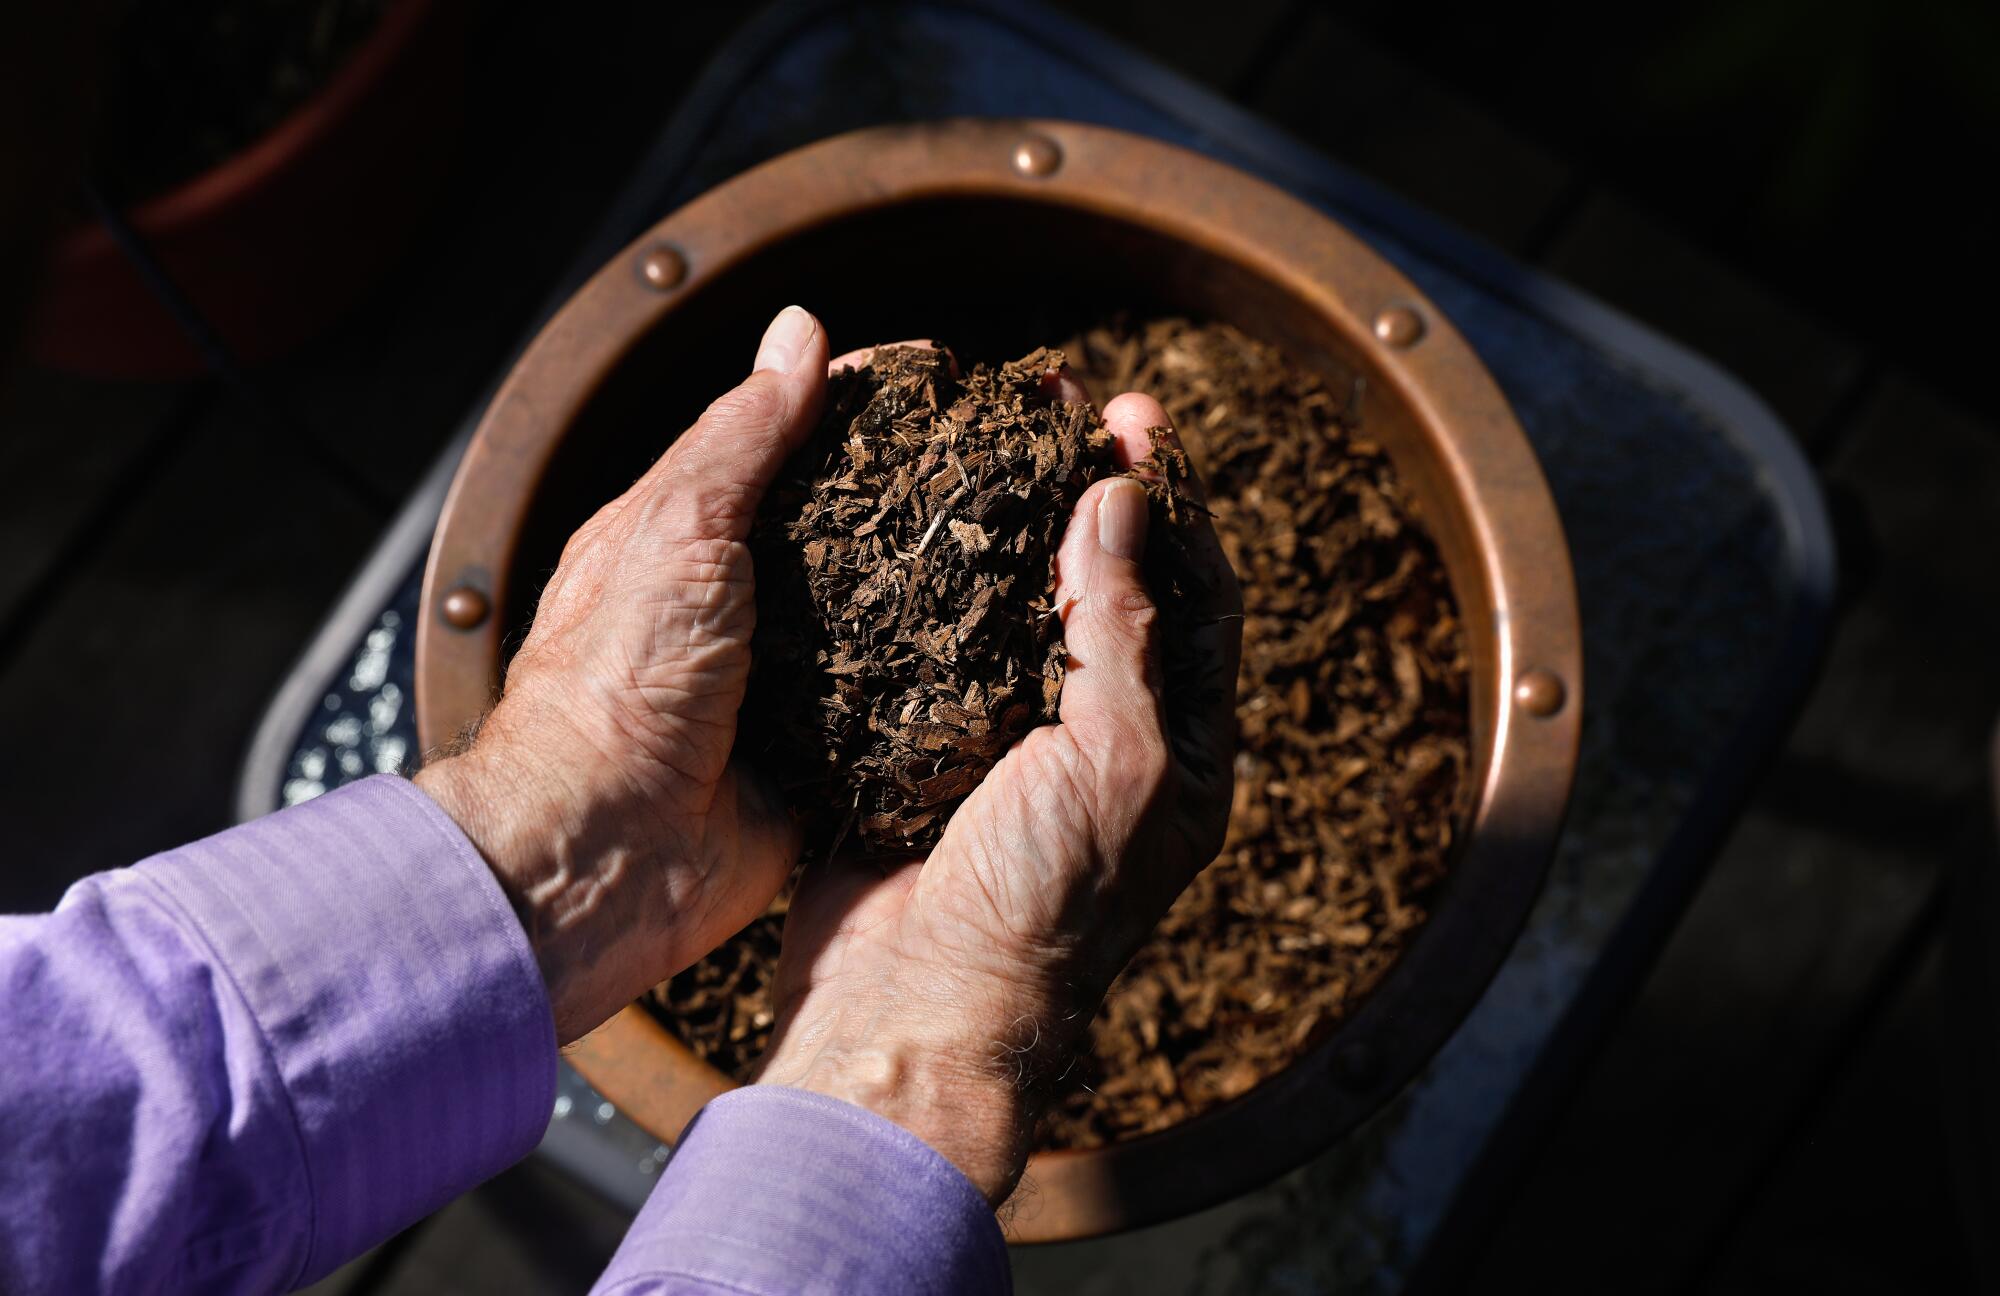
point(1071, 219)
point(273, 243)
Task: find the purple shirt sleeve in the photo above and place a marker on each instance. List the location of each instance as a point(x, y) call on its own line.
point(235, 1065)
point(776, 1191)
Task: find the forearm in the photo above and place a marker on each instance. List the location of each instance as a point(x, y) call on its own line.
point(242, 1062)
point(773, 1190)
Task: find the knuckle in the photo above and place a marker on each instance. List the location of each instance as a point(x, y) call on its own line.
point(1132, 608)
point(704, 509)
point(1127, 752)
point(1044, 751)
point(755, 403)
point(581, 541)
point(708, 563)
point(1065, 770)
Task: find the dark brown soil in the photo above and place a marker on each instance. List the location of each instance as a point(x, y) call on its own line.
point(1351, 779)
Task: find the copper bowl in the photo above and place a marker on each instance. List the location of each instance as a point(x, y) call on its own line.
point(1015, 230)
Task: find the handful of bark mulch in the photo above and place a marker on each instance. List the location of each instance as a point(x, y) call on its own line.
point(1353, 762)
point(906, 628)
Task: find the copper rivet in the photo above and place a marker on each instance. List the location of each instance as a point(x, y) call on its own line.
point(1539, 693)
point(1037, 156)
point(464, 608)
point(664, 267)
point(1399, 326)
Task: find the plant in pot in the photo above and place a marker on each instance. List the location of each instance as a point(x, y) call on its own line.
point(268, 158)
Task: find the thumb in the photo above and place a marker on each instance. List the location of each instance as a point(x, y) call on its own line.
point(710, 483)
point(1111, 698)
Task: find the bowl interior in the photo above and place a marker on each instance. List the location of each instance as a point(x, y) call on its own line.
point(901, 233)
point(993, 278)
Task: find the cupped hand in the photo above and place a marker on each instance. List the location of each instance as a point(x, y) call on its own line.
point(949, 994)
point(600, 788)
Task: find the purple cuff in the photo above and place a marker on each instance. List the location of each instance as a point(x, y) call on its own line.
point(776, 1190)
point(395, 991)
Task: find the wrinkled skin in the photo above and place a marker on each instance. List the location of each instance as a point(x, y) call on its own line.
point(601, 788)
point(945, 993)
point(949, 992)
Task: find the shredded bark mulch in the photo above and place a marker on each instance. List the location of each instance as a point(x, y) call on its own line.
point(906, 629)
point(1353, 770)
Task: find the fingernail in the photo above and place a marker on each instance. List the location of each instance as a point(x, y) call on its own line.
point(1121, 519)
point(785, 341)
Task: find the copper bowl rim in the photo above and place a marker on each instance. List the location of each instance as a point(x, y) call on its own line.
point(1527, 703)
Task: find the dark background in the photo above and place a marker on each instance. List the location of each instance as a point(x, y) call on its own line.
point(1801, 191)
point(1840, 152)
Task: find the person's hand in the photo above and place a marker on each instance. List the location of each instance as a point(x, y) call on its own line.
point(600, 789)
point(949, 994)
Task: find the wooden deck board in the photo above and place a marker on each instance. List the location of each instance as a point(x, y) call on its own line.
point(1843, 850)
